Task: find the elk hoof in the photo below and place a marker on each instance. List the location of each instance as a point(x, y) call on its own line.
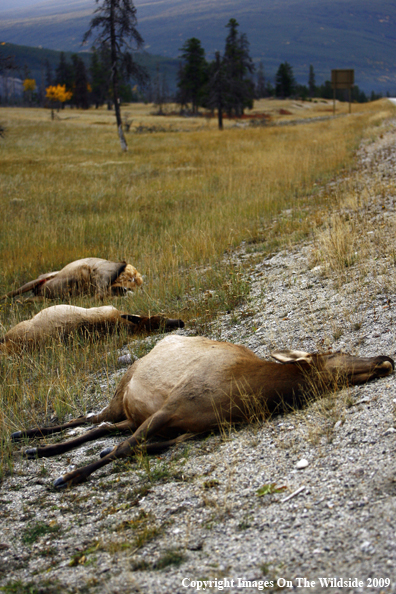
point(105, 452)
point(386, 367)
point(16, 436)
point(60, 483)
point(30, 454)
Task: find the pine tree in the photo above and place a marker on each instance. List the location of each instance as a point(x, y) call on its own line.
point(49, 77)
point(63, 73)
point(80, 87)
point(237, 65)
point(217, 86)
point(161, 90)
point(116, 22)
point(8, 68)
point(311, 82)
point(100, 77)
point(181, 94)
point(285, 82)
point(194, 72)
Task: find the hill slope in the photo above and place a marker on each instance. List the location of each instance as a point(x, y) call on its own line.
point(35, 58)
point(340, 34)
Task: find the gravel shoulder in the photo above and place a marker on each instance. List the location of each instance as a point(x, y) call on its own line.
point(194, 513)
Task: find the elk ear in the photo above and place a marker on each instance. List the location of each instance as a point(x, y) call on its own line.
point(131, 318)
point(291, 356)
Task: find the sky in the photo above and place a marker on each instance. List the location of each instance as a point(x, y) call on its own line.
point(9, 4)
point(20, 4)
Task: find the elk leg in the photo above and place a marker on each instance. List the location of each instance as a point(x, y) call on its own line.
point(42, 431)
point(59, 448)
point(30, 286)
point(157, 446)
point(113, 413)
point(152, 425)
point(151, 448)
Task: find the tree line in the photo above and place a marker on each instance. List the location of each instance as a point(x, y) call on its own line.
point(231, 82)
point(226, 84)
point(90, 86)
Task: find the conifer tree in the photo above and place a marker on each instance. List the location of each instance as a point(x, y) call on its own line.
point(100, 79)
point(285, 82)
point(261, 89)
point(194, 73)
point(116, 23)
point(80, 87)
point(217, 86)
point(237, 66)
point(161, 90)
point(311, 82)
point(63, 73)
point(49, 77)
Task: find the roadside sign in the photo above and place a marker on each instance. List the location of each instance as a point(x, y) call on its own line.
point(342, 79)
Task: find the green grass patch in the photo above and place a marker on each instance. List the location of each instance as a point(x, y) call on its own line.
point(34, 531)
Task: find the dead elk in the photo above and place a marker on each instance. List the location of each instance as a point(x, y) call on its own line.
point(191, 385)
point(60, 321)
point(89, 276)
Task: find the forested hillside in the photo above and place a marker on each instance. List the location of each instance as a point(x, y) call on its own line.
point(32, 61)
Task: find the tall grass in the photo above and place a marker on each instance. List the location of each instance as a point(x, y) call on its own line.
point(173, 201)
point(173, 206)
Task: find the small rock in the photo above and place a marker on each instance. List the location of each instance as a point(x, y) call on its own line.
point(362, 400)
point(195, 545)
point(366, 547)
point(124, 360)
point(302, 464)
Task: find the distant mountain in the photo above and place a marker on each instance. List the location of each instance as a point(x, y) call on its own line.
point(358, 34)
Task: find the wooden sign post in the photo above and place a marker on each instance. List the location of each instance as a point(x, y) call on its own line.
point(342, 79)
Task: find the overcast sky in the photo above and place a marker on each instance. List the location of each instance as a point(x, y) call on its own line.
point(17, 4)
point(9, 4)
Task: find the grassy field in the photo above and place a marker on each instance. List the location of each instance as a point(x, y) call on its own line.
point(182, 198)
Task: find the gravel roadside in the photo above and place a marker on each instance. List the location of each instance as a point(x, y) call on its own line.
point(197, 513)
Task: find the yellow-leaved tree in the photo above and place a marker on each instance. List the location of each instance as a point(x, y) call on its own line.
point(29, 86)
point(57, 95)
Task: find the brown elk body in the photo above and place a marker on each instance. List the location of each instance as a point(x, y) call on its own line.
point(60, 321)
point(89, 276)
point(190, 385)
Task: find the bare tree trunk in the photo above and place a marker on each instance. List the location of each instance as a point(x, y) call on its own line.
point(220, 117)
point(123, 142)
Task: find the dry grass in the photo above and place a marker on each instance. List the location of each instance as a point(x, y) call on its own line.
point(360, 230)
point(175, 200)
point(174, 205)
